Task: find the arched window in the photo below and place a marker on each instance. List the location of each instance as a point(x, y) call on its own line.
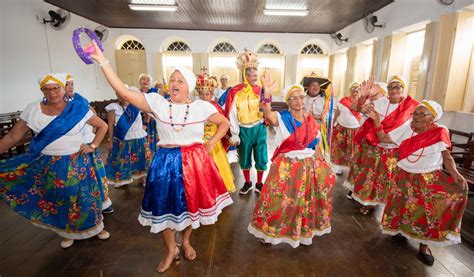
point(312, 49)
point(132, 45)
point(268, 48)
point(178, 46)
point(224, 47)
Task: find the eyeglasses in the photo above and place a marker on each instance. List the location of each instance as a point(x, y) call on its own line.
point(423, 115)
point(292, 98)
point(53, 89)
point(394, 87)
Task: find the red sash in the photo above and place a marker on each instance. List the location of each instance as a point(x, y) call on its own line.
point(347, 102)
point(289, 144)
point(228, 104)
point(233, 91)
point(224, 139)
point(394, 120)
point(422, 140)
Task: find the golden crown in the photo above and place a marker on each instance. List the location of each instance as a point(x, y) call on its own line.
point(247, 59)
point(204, 82)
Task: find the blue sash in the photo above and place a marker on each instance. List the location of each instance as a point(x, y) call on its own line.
point(223, 97)
point(125, 121)
point(152, 90)
point(58, 127)
point(288, 120)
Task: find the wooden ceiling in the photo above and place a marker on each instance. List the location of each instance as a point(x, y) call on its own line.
point(325, 16)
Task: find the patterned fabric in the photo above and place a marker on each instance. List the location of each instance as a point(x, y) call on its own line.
point(60, 193)
point(253, 140)
point(371, 177)
point(99, 167)
point(152, 136)
point(296, 201)
point(343, 146)
point(184, 188)
point(127, 161)
point(360, 151)
point(425, 207)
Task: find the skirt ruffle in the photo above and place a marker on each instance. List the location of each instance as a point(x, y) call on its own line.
point(184, 188)
point(372, 175)
point(127, 161)
point(425, 207)
point(296, 202)
point(60, 193)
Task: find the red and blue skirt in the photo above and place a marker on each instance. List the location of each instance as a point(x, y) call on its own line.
point(184, 188)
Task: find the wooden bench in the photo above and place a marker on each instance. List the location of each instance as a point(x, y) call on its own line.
point(7, 121)
point(99, 107)
point(458, 149)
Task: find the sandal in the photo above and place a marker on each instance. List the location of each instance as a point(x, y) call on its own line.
point(162, 268)
point(190, 255)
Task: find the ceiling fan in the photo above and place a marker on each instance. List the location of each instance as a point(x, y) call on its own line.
point(370, 23)
point(338, 38)
point(58, 20)
point(102, 32)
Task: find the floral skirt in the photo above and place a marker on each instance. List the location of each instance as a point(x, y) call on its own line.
point(372, 176)
point(152, 137)
point(184, 188)
point(296, 202)
point(425, 207)
point(60, 193)
point(342, 149)
point(360, 151)
point(101, 176)
point(127, 161)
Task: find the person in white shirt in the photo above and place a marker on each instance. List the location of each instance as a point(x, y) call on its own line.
point(54, 184)
point(184, 188)
point(98, 164)
point(424, 204)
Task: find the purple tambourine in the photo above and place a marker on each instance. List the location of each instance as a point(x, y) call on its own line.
point(76, 41)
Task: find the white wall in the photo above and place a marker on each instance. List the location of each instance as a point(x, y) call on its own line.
point(33, 49)
point(398, 15)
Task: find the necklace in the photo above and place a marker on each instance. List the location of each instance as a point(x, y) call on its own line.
point(419, 156)
point(171, 116)
point(305, 141)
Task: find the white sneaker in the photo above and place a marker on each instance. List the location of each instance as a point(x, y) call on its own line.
point(103, 235)
point(66, 243)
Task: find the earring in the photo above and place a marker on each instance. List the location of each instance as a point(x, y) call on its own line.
point(45, 101)
point(66, 99)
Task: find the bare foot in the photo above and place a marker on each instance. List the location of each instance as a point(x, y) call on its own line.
point(166, 262)
point(189, 252)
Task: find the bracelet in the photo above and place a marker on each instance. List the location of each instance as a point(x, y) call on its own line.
point(378, 129)
point(266, 100)
point(101, 64)
point(92, 145)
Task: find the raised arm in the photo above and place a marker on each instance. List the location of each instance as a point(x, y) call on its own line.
point(16, 134)
point(381, 135)
point(266, 105)
point(134, 98)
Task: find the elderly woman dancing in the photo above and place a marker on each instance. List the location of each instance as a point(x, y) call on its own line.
point(296, 201)
point(424, 204)
point(55, 185)
point(184, 188)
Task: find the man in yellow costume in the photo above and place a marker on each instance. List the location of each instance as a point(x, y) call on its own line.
point(246, 121)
